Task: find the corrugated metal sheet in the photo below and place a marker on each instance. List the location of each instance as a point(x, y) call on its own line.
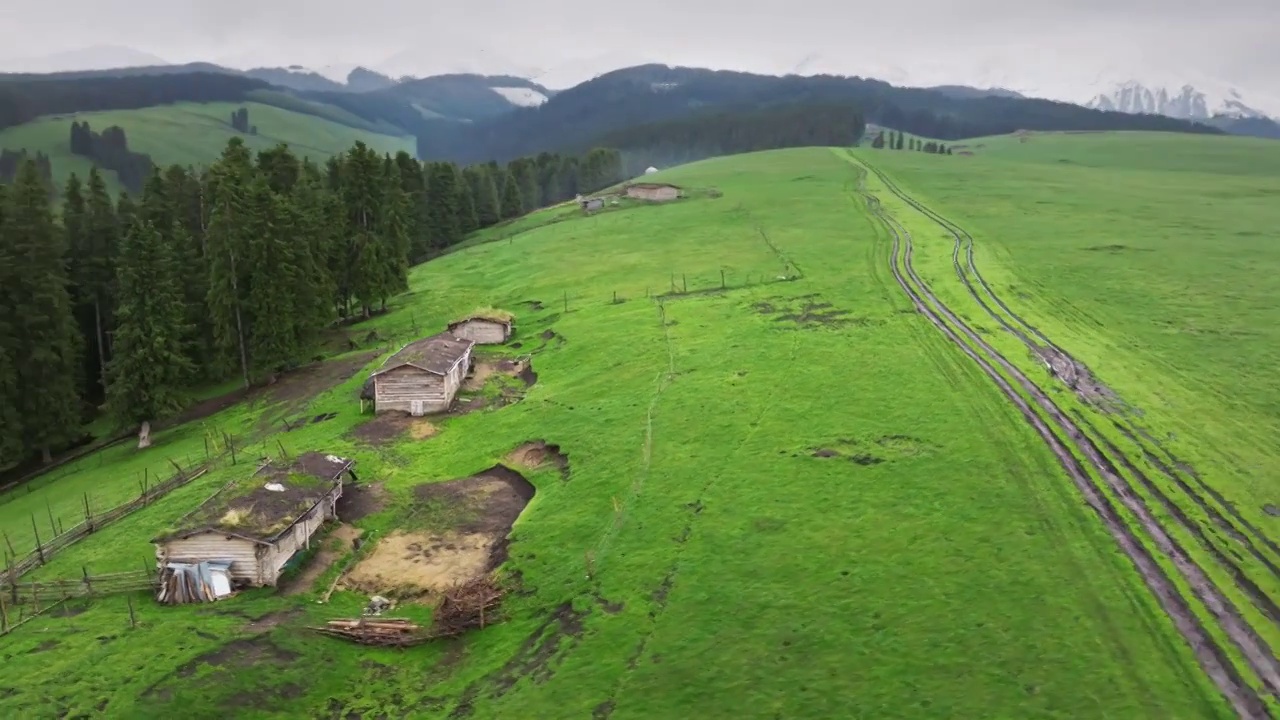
point(242, 553)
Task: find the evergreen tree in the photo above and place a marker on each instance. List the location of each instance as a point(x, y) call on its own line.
point(362, 190)
point(75, 225)
point(93, 267)
point(40, 307)
point(393, 233)
point(485, 192)
point(231, 227)
point(186, 198)
point(148, 367)
point(899, 146)
point(11, 449)
point(468, 219)
point(312, 225)
point(512, 203)
point(413, 183)
point(280, 166)
point(444, 206)
point(274, 276)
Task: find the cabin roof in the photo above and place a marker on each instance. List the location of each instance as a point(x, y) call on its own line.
point(250, 510)
point(653, 186)
point(437, 354)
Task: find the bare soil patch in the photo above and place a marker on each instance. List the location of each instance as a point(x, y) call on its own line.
point(521, 368)
point(808, 311)
point(873, 452)
point(271, 620)
point(1076, 376)
point(360, 501)
point(293, 389)
point(386, 427)
point(538, 453)
point(334, 546)
point(468, 521)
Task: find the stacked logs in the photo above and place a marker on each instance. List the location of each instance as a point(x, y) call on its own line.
point(466, 606)
point(387, 632)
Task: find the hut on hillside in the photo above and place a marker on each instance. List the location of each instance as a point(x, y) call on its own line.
point(657, 192)
point(247, 533)
point(650, 170)
point(424, 376)
point(489, 327)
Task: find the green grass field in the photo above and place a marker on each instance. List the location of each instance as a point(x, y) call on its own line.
point(789, 496)
point(193, 134)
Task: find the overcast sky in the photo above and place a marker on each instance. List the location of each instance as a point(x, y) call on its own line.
point(1023, 43)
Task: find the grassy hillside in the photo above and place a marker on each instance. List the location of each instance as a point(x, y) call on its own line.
point(194, 134)
point(788, 496)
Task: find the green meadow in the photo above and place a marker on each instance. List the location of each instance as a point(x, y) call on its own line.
point(788, 496)
point(193, 134)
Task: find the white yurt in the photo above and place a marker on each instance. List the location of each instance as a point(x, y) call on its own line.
point(651, 171)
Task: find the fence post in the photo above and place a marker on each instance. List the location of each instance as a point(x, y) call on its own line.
point(722, 278)
point(133, 620)
point(88, 586)
point(39, 547)
point(566, 301)
point(4, 617)
point(53, 527)
point(684, 282)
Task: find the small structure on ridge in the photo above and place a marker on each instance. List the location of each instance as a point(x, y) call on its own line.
point(656, 192)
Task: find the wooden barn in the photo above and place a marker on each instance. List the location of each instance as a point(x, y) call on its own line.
point(657, 192)
point(483, 328)
point(259, 523)
point(424, 376)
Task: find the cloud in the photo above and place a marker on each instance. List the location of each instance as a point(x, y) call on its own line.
point(941, 40)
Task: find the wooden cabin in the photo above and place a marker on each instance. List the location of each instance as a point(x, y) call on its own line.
point(259, 523)
point(482, 329)
point(424, 376)
point(657, 192)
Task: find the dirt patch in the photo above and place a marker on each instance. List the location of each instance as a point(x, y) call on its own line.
point(537, 453)
point(533, 304)
point(334, 546)
point(808, 311)
point(519, 368)
point(1271, 510)
point(250, 652)
point(360, 501)
point(388, 426)
point(44, 646)
point(873, 452)
point(271, 620)
point(294, 389)
point(468, 522)
point(1076, 376)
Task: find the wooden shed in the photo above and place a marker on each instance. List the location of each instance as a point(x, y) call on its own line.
point(658, 192)
point(260, 522)
point(483, 328)
point(424, 376)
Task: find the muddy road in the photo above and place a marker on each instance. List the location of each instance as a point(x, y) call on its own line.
point(1139, 539)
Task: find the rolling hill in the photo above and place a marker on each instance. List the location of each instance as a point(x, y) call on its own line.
point(829, 476)
point(194, 134)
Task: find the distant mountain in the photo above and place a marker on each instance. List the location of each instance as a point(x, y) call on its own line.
point(1186, 102)
point(574, 119)
point(365, 80)
point(964, 92)
point(97, 57)
point(294, 77)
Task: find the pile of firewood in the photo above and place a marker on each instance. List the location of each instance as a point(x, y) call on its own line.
point(383, 631)
point(466, 606)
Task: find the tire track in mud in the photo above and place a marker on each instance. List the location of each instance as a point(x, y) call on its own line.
point(1210, 656)
point(1072, 372)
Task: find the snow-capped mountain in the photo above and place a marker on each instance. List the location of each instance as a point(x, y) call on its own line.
point(1189, 102)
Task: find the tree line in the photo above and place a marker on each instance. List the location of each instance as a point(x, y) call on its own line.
point(234, 270)
point(110, 150)
point(895, 141)
point(725, 133)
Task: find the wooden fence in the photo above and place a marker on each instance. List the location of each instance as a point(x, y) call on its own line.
point(16, 567)
point(22, 602)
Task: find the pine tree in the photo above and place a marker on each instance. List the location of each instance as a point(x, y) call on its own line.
point(444, 206)
point(393, 233)
point(75, 225)
point(512, 203)
point(274, 276)
point(413, 183)
point(468, 220)
point(485, 192)
point(148, 366)
point(40, 307)
point(186, 200)
point(317, 237)
point(11, 449)
point(94, 267)
point(230, 229)
point(362, 190)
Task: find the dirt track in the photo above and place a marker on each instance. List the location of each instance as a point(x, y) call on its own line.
point(1214, 661)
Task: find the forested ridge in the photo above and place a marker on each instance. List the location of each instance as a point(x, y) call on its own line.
point(234, 270)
